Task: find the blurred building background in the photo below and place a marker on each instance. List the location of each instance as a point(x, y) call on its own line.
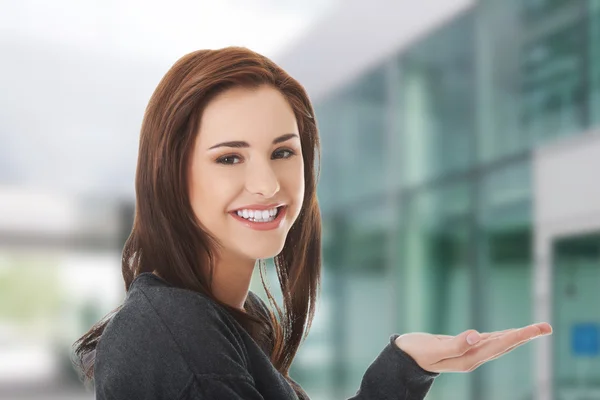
point(460, 182)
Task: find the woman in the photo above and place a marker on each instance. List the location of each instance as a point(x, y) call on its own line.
point(225, 177)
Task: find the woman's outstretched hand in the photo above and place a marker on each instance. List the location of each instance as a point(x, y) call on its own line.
point(468, 350)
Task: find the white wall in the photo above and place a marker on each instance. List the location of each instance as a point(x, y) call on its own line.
point(564, 176)
point(358, 34)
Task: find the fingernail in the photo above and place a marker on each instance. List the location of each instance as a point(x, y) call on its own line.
point(473, 338)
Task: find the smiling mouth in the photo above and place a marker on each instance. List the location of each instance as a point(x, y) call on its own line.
point(259, 216)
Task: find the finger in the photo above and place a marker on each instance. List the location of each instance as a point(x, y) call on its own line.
point(491, 348)
point(545, 329)
point(484, 335)
point(459, 344)
point(500, 354)
point(498, 333)
point(491, 335)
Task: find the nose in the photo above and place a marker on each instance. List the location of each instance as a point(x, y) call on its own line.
point(261, 179)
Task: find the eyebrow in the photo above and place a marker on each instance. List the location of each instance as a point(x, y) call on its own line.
point(240, 144)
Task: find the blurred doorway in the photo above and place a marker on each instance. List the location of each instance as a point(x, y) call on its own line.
point(576, 317)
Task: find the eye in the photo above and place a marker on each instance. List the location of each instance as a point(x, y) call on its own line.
point(229, 159)
point(282, 153)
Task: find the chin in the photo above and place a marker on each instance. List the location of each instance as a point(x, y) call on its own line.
point(265, 252)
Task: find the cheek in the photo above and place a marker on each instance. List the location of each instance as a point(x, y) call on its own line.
point(197, 202)
point(209, 194)
point(301, 185)
point(295, 181)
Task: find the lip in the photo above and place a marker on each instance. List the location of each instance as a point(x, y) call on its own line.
point(259, 207)
point(262, 226)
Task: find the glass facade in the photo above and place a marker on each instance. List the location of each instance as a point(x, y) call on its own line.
point(534, 62)
point(426, 191)
point(594, 54)
point(436, 119)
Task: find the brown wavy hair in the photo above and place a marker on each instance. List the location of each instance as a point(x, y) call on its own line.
point(166, 236)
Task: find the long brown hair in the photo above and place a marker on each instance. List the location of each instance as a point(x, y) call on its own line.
point(166, 236)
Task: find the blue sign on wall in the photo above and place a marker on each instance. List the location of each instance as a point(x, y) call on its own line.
point(585, 339)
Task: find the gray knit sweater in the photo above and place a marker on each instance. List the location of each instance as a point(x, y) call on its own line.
point(176, 344)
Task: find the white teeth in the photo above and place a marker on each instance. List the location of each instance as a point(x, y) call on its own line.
point(258, 215)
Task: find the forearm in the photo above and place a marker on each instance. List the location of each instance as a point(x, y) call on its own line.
point(394, 375)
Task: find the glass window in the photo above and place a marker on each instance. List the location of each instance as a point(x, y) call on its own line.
point(552, 80)
point(435, 271)
point(535, 10)
point(532, 86)
point(506, 259)
point(594, 68)
point(353, 132)
point(437, 96)
point(359, 292)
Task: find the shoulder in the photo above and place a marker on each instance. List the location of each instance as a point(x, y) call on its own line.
point(195, 321)
point(262, 307)
point(171, 334)
point(135, 350)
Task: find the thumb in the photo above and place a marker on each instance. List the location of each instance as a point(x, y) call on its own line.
point(463, 342)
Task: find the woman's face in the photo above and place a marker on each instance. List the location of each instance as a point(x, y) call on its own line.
point(247, 172)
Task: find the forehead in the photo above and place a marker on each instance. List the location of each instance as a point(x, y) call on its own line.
point(246, 114)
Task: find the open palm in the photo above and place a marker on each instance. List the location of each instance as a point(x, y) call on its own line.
point(468, 350)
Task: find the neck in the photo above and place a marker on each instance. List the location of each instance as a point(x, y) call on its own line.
point(231, 280)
